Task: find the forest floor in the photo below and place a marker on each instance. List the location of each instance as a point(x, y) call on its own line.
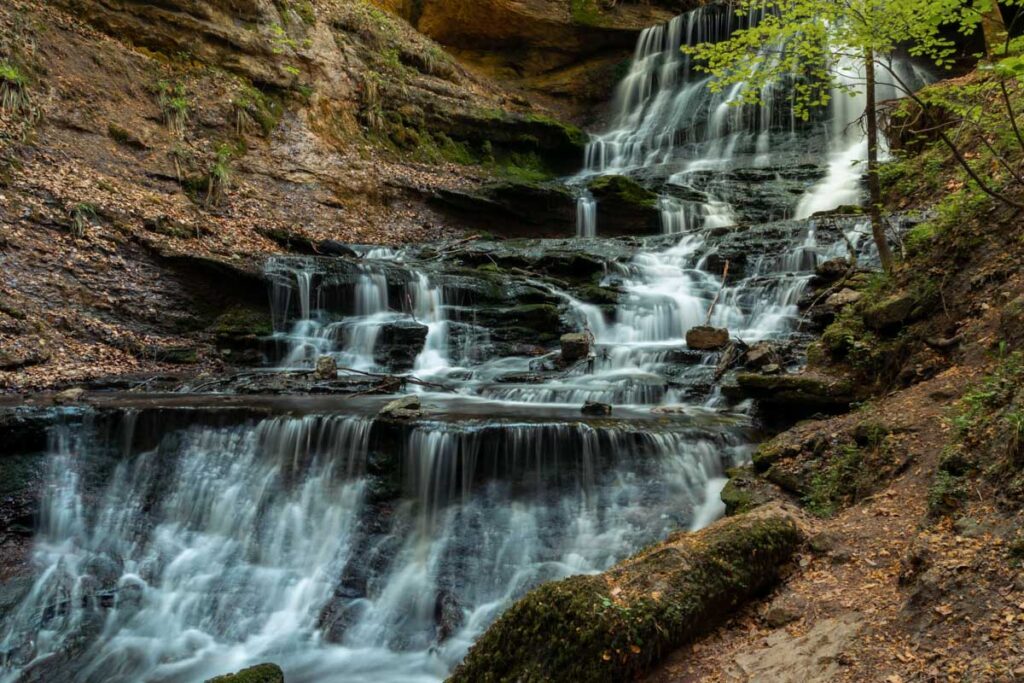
point(886, 590)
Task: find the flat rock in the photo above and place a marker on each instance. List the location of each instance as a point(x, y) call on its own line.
point(811, 658)
point(405, 408)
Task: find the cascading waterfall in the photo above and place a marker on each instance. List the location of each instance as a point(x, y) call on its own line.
point(347, 547)
point(224, 545)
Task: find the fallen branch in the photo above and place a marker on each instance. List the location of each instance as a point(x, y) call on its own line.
point(714, 302)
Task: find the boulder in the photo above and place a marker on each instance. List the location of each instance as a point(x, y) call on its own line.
point(762, 354)
point(326, 368)
point(596, 409)
point(704, 338)
point(575, 346)
point(794, 396)
point(624, 207)
point(261, 673)
point(73, 395)
point(890, 313)
point(405, 408)
point(399, 343)
point(615, 626)
point(832, 270)
point(843, 298)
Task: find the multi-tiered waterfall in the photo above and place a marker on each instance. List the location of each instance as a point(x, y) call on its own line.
point(177, 541)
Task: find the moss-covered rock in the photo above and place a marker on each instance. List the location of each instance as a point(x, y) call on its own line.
point(624, 207)
point(797, 395)
point(614, 626)
point(262, 673)
point(890, 313)
point(745, 491)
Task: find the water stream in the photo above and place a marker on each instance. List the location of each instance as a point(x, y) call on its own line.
point(177, 544)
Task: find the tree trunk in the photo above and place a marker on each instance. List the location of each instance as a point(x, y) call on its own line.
point(993, 27)
point(874, 188)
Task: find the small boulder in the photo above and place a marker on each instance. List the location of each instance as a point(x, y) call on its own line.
point(843, 298)
point(326, 368)
point(261, 673)
point(596, 409)
point(889, 313)
point(69, 396)
point(405, 408)
point(704, 338)
point(783, 612)
point(832, 270)
point(399, 343)
point(575, 346)
point(762, 354)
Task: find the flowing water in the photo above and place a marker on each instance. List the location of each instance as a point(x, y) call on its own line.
point(175, 544)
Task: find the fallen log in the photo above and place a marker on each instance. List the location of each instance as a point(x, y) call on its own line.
point(614, 626)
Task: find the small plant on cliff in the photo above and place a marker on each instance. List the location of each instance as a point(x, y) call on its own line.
point(254, 110)
point(173, 100)
point(82, 216)
point(14, 98)
point(219, 177)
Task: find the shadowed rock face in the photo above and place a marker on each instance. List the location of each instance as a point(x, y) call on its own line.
point(564, 51)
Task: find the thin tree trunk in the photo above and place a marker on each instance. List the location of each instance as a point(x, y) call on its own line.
point(993, 27)
point(874, 187)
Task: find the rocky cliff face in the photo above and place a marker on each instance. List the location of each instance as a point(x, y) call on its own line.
point(568, 53)
point(152, 136)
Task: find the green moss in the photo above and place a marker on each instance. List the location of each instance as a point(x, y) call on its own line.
point(242, 321)
point(947, 494)
point(615, 626)
point(838, 482)
point(586, 12)
point(262, 673)
point(623, 189)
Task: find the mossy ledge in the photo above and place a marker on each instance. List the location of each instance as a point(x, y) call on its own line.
point(262, 673)
point(616, 625)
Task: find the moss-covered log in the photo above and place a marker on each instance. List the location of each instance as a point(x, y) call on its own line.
point(614, 626)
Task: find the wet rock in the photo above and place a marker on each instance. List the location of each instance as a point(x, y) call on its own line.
point(261, 673)
point(405, 408)
point(575, 346)
point(890, 313)
point(762, 354)
point(399, 343)
point(521, 378)
point(515, 208)
point(745, 491)
point(336, 248)
point(326, 368)
point(73, 395)
point(625, 207)
point(797, 395)
point(705, 338)
point(596, 409)
point(174, 355)
point(832, 270)
point(564, 630)
point(448, 615)
point(771, 369)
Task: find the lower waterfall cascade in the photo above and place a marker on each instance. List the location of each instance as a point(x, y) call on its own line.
point(180, 542)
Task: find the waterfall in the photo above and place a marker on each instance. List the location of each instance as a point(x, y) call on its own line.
point(586, 216)
point(350, 547)
point(226, 545)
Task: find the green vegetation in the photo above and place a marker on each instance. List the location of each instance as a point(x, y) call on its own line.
point(838, 483)
point(586, 12)
point(172, 97)
point(14, 96)
point(82, 215)
point(623, 189)
point(254, 109)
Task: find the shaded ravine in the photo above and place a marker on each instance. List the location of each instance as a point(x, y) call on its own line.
point(178, 543)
